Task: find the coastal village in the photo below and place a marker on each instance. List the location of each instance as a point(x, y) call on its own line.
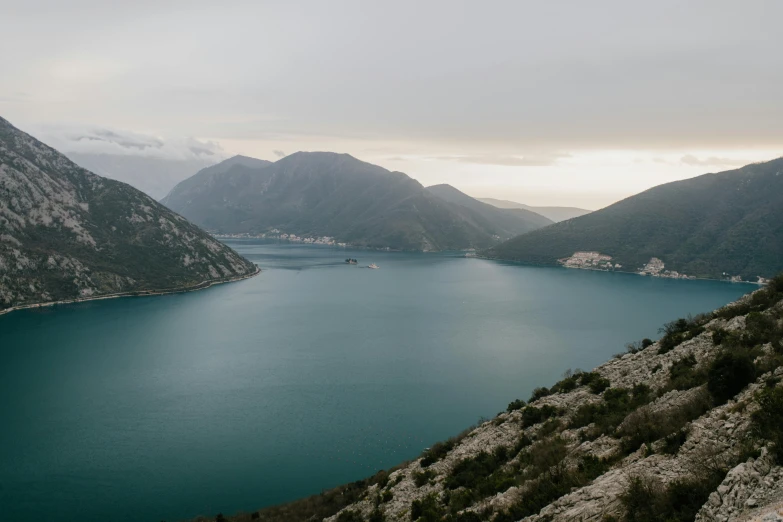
point(655, 267)
point(277, 234)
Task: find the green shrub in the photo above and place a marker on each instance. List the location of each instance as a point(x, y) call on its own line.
point(551, 485)
point(645, 499)
point(515, 405)
point(644, 426)
point(539, 393)
point(460, 499)
point(386, 496)
point(719, 336)
point(646, 343)
point(599, 385)
point(683, 374)
point(567, 384)
point(594, 381)
point(349, 516)
point(436, 452)
point(377, 515)
point(427, 509)
point(729, 373)
point(532, 415)
point(421, 478)
point(523, 442)
point(768, 419)
point(470, 471)
point(679, 331)
point(608, 414)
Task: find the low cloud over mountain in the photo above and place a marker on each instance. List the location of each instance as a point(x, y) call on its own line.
point(150, 163)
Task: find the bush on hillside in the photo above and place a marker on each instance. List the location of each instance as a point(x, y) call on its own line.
point(729, 373)
point(594, 381)
point(349, 516)
point(539, 393)
point(421, 478)
point(683, 374)
point(427, 509)
point(645, 499)
point(645, 426)
point(678, 331)
point(515, 405)
point(768, 419)
point(532, 415)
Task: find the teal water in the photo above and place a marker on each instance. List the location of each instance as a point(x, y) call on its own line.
point(312, 374)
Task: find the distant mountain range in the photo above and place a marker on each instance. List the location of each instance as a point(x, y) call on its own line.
point(153, 176)
point(319, 194)
point(66, 233)
point(556, 214)
point(716, 224)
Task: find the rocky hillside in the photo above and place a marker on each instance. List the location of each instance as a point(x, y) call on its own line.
point(713, 226)
point(686, 428)
point(66, 233)
point(323, 194)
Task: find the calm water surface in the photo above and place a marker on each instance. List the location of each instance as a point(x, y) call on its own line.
point(312, 374)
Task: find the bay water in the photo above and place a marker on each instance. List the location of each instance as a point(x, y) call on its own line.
point(312, 374)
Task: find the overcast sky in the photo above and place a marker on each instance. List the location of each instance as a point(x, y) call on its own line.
point(574, 103)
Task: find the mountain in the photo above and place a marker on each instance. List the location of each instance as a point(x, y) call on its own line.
point(686, 428)
point(320, 194)
point(204, 184)
point(505, 223)
point(556, 214)
point(730, 222)
point(66, 233)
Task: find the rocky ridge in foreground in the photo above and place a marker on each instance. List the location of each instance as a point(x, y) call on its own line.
point(686, 428)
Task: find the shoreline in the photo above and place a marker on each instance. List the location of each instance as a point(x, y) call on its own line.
point(694, 278)
point(138, 293)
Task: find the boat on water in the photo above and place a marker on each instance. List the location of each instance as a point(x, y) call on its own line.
point(352, 261)
point(373, 265)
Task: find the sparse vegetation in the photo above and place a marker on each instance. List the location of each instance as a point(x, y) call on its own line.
point(729, 373)
point(679, 331)
point(647, 500)
point(768, 419)
point(420, 478)
point(539, 393)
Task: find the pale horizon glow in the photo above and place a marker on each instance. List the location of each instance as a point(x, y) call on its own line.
point(567, 103)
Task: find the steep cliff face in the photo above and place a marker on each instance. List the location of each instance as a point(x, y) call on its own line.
point(66, 233)
point(686, 428)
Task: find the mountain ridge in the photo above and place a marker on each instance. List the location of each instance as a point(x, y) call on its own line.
point(718, 225)
point(68, 234)
point(327, 194)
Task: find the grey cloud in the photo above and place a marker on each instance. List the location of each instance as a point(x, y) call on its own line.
point(610, 74)
point(711, 161)
point(84, 139)
point(279, 153)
